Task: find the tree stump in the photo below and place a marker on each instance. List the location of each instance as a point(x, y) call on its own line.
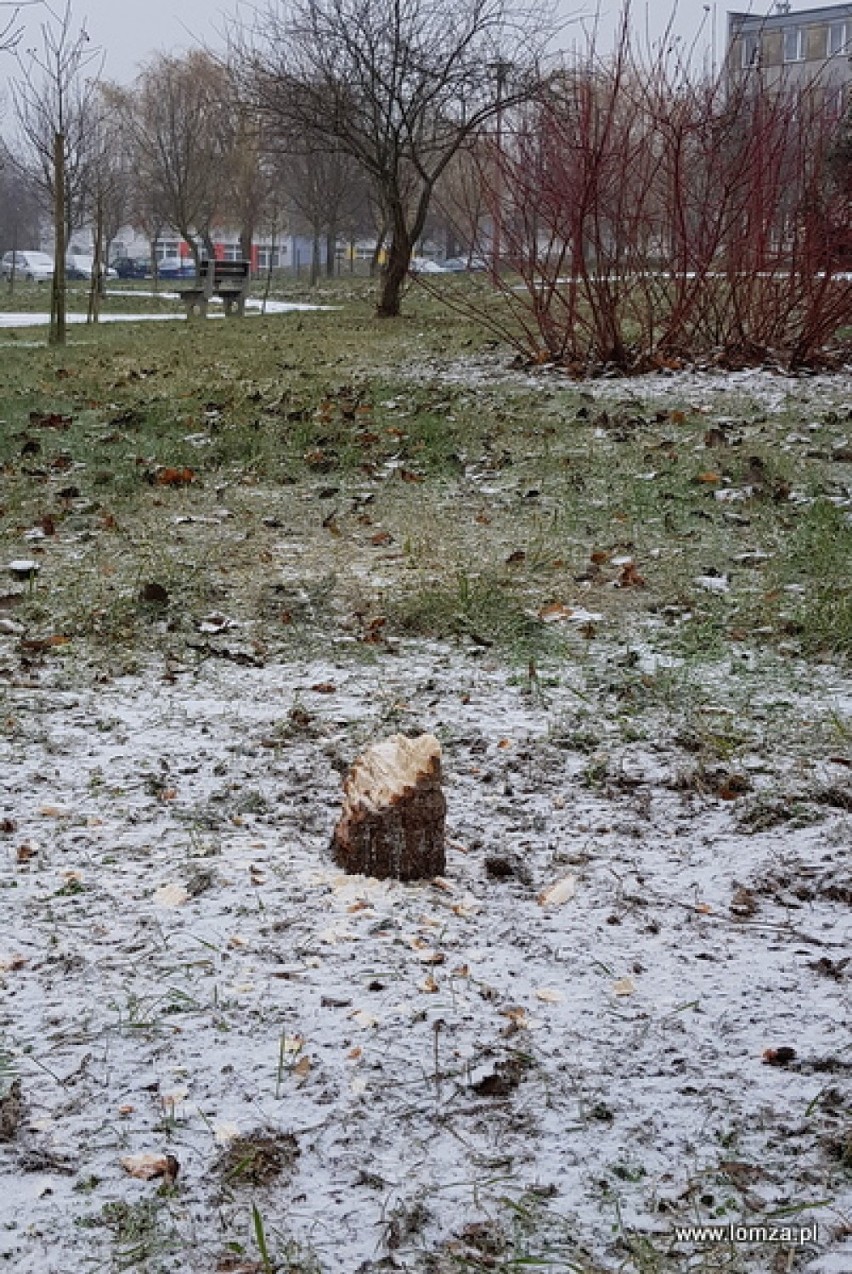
point(392, 823)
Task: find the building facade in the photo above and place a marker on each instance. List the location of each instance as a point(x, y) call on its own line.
point(794, 50)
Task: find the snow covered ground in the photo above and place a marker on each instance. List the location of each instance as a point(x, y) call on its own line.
point(626, 1006)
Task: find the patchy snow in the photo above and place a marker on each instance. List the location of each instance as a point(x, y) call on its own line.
point(578, 1014)
point(32, 319)
point(710, 388)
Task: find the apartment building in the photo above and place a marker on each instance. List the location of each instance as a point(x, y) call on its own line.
point(794, 49)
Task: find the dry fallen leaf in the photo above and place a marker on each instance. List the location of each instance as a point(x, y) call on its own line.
point(624, 986)
point(11, 963)
point(303, 1068)
point(562, 891)
point(630, 577)
point(148, 1166)
point(428, 985)
point(171, 477)
point(782, 1056)
point(549, 996)
point(554, 611)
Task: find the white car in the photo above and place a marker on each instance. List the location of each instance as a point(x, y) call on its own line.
point(29, 265)
point(80, 265)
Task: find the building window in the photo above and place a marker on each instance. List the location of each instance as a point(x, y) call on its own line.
point(167, 249)
point(838, 38)
point(794, 44)
point(750, 49)
point(276, 255)
point(230, 252)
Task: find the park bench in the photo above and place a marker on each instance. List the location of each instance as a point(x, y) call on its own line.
point(228, 280)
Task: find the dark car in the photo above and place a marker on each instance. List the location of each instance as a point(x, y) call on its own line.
point(176, 268)
point(131, 268)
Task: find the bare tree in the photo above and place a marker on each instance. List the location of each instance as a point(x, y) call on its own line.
point(323, 191)
point(54, 103)
point(399, 85)
point(108, 188)
point(10, 26)
point(177, 118)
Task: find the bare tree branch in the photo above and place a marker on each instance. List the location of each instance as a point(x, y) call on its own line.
point(401, 86)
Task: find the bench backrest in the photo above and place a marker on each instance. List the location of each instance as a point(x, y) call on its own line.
point(213, 273)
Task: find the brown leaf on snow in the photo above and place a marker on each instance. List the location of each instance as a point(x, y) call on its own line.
point(148, 1166)
point(44, 643)
point(302, 1069)
point(50, 420)
point(554, 611)
point(11, 963)
point(782, 1056)
point(24, 853)
point(154, 594)
point(624, 986)
point(173, 477)
point(324, 688)
point(743, 903)
point(630, 577)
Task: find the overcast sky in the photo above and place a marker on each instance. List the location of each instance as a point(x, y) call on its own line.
point(129, 31)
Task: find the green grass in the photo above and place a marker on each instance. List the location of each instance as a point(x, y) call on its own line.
point(339, 479)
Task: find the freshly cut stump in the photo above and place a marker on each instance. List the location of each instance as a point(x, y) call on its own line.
point(392, 823)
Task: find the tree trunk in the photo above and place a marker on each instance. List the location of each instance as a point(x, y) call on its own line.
point(394, 275)
point(57, 297)
point(392, 825)
point(315, 258)
point(97, 283)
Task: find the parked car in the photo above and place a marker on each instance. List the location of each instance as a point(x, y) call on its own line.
point(131, 268)
point(458, 265)
point(424, 265)
point(176, 268)
point(80, 265)
point(30, 265)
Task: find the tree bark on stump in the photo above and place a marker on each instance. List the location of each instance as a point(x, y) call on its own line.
point(392, 825)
